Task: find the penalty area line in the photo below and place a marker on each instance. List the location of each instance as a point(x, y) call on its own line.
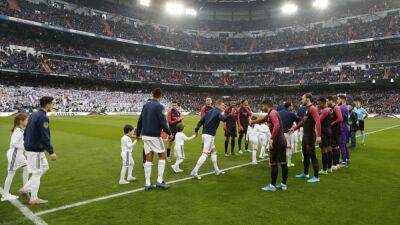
point(106, 197)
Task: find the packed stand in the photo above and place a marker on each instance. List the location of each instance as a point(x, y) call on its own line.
point(56, 15)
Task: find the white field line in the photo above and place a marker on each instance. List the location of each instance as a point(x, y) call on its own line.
point(106, 197)
point(26, 211)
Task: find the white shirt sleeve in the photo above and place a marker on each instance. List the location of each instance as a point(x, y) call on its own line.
point(186, 138)
point(17, 139)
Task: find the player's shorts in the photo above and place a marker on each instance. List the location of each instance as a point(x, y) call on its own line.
point(37, 162)
point(308, 148)
point(244, 131)
point(179, 152)
point(277, 153)
point(127, 159)
point(326, 137)
point(361, 125)
point(336, 138)
point(153, 144)
point(16, 159)
point(288, 138)
point(208, 143)
point(231, 132)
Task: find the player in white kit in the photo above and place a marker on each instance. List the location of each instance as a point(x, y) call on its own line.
point(180, 139)
point(252, 136)
point(126, 154)
point(263, 139)
point(15, 156)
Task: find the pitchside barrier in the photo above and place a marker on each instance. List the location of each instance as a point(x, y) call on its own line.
point(72, 114)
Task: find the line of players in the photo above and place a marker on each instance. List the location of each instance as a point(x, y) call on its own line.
point(326, 124)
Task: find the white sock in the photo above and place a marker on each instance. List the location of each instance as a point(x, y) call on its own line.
point(289, 156)
point(147, 172)
point(262, 153)
point(254, 156)
point(214, 161)
point(123, 172)
point(161, 168)
point(130, 170)
point(25, 175)
point(7, 183)
point(34, 185)
point(200, 162)
point(178, 162)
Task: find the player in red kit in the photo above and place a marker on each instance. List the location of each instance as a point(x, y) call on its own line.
point(336, 127)
point(243, 113)
point(277, 148)
point(208, 106)
point(174, 117)
point(312, 134)
point(326, 133)
point(230, 129)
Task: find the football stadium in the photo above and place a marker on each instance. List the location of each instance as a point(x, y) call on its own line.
point(199, 112)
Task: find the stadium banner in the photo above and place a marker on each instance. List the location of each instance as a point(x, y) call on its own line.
point(57, 114)
point(6, 114)
point(99, 36)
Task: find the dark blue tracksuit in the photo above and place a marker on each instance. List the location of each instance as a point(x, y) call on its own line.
point(287, 118)
point(152, 120)
point(37, 133)
point(210, 121)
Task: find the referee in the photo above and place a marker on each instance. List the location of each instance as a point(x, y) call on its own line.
point(36, 141)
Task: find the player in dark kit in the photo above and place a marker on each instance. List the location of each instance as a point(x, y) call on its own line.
point(326, 133)
point(336, 127)
point(311, 136)
point(174, 117)
point(243, 119)
point(277, 148)
point(230, 129)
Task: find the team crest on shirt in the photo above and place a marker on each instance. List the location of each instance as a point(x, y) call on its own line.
point(46, 125)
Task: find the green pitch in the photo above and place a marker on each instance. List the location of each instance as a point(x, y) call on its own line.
point(89, 164)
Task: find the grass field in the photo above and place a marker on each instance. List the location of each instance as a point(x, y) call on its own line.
point(89, 163)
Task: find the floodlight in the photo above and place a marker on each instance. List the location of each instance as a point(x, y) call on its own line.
point(174, 8)
point(320, 4)
point(391, 80)
point(289, 8)
point(144, 3)
point(373, 81)
point(190, 12)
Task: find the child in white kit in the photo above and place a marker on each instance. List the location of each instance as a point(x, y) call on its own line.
point(180, 139)
point(16, 157)
point(263, 139)
point(126, 154)
point(252, 138)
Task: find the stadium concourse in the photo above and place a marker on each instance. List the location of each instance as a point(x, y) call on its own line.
point(312, 87)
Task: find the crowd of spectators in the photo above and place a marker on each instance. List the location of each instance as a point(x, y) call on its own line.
point(23, 98)
point(355, 28)
point(23, 61)
point(17, 98)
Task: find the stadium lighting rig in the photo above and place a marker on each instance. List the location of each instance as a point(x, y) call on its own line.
point(190, 12)
point(289, 8)
point(145, 3)
point(320, 4)
point(174, 8)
